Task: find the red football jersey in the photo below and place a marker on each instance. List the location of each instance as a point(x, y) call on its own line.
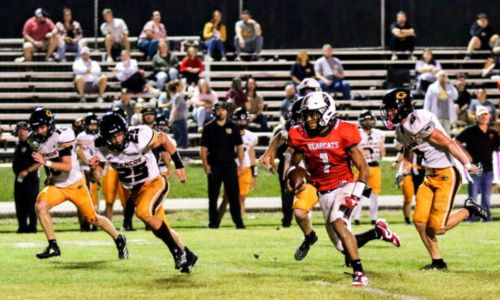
point(325, 156)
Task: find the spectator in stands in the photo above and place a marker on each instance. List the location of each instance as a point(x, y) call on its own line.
point(128, 73)
point(481, 99)
point(126, 104)
point(492, 61)
point(204, 99)
point(115, 33)
point(152, 34)
point(39, 33)
point(290, 98)
point(215, 35)
point(302, 68)
point(165, 66)
point(330, 73)
point(426, 70)
point(179, 113)
point(88, 77)
point(191, 66)
point(27, 180)
point(440, 100)
point(248, 36)
point(257, 105)
point(481, 141)
point(403, 36)
point(483, 36)
point(236, 96)
point(463, 101)
point(70, 36)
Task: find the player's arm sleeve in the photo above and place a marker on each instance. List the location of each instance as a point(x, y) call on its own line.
point(350, 137)
point(146, 137)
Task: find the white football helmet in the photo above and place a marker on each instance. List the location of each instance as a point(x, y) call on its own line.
point(322, 103)
point(309, 84)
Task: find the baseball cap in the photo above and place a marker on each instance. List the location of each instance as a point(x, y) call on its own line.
point(480, 109)
point(85, 50)
point(40, 12)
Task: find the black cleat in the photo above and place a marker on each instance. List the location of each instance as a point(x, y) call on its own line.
point(434, 266)
point(303, 249)
point(475, 209)
point(128, 227)
point(180, 259)
point(50, 251)
point(121, 245)
point(85, 227)
point(192, 258)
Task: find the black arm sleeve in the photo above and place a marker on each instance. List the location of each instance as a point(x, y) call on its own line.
point(66, 151)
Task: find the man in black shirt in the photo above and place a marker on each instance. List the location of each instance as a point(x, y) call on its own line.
point(26, 185)
point(483, 35)
point(403, 36)
point(480, 141)
point(219, 139)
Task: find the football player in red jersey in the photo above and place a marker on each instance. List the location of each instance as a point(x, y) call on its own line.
point(329, 146)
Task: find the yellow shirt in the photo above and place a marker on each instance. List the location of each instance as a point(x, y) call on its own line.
point(209, 31)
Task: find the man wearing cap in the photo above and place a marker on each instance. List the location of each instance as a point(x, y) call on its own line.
point(219, 139)
point(481, 141)
point(88, 77)
point(39, 33)
point(26, 183)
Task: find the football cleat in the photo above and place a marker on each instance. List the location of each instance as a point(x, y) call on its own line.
point(180, 259)
point(433, 266)
point(475, 209)
point(387, 234)
point(359, 279)
point(192, 258)
point(303, 249)
point(50, 251)
point(121, 245)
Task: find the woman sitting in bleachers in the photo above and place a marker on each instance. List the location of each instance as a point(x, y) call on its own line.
point(426, 68)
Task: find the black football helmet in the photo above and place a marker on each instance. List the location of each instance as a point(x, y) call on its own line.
point(366, 119)
point(77, 126)
point(42, 116)
point(111, 124)
point(396, 105)
point(161, 123)
point(91, 119)
point(241, 117)
point(121, 112)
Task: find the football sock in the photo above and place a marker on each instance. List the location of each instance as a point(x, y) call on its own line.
point(309, 237)
point(356, 265)
point(164, 234)
point(438, 262)
point(128, 213)
point(407, 220)
point(52, 243)
point(365, 237)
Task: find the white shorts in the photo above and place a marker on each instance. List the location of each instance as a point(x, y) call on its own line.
point(330, 204)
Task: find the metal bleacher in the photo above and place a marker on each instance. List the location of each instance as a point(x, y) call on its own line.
point(25, 85)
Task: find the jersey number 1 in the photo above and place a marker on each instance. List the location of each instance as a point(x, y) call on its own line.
point(326, 162)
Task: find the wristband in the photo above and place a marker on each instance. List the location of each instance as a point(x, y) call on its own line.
point(176, 158)
point(48, 164)
point(358, 189)
point(255, 171)
point(468, 166)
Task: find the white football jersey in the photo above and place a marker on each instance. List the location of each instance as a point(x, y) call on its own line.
point(86, 140)
point(370, 144)
point(60, 143)
point(134, 166)
point(412, 133)
point(249, 139)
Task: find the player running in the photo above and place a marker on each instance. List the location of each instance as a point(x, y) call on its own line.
point(328, 146)
point(53, 149)
point(420, 131)
point(128, 150)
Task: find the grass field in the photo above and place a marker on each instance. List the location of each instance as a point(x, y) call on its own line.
point(256, 263)
point(196, 186)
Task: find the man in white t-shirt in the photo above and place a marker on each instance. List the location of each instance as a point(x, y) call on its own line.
point(88, 77)
point(115, 32)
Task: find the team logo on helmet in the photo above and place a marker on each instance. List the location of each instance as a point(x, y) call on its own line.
point(401, 95)
point(48, 113)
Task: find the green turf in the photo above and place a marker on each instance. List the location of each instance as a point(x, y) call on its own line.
point(256, 263)
point(196, 186)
